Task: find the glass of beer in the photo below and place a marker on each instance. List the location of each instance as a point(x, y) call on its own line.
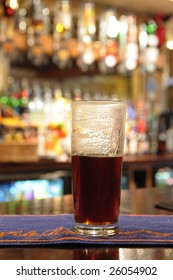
point(97, 143)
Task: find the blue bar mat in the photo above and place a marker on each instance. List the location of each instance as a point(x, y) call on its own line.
point(135, 230)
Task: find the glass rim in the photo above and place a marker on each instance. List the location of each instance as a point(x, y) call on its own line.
point(99, 101)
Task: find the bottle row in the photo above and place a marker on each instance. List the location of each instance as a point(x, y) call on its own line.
point(147, 131)
point(39, 112)
point(109, 40)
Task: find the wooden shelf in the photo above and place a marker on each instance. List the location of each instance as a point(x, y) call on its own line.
point(132, 164)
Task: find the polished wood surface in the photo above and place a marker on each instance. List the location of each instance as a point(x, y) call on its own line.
point(34, 170)
point(47, 165)
point(149, 164)
point(139, 201)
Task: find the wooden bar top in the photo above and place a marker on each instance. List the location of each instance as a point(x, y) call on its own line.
point(131, 164)
point(137, 201)
point(46, 162)
point(51, 164)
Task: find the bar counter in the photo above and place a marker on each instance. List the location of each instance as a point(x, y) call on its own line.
point(136, 202)
point(131, 163)
point(45, 164)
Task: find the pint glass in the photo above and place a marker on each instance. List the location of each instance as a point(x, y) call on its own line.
point(97, 152)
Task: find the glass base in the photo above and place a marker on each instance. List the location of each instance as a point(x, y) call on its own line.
point(96, 230)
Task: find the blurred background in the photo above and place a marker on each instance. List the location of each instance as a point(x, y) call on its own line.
point(52, 52)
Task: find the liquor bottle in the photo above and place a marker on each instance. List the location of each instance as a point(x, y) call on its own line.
point(152, 51)
point(142, 44)
point(4, 99)
point(4, 70)
point(141, 124)
point(131, 130)
point(152, 116)
point(14, 94)
point(162, 135)
point(48, 103)
point(132, 46)
point(169, 138)
point(36, 105)
point(86, 31)
point(24, 97)
point(8, 9)
point(161, 30)
point(35, 32)
point(7, 26)
point(62, 33)
point(108, 37)
point(21, 20)
point(77, 94)
point(152, 130)
point(122, 42)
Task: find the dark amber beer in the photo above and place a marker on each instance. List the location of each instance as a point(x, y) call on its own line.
point(96, 182)
point(97, 152)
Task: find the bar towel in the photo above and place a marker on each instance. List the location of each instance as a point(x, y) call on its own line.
point(35, 230)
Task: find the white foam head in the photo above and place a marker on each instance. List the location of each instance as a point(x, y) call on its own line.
point(98, 128)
